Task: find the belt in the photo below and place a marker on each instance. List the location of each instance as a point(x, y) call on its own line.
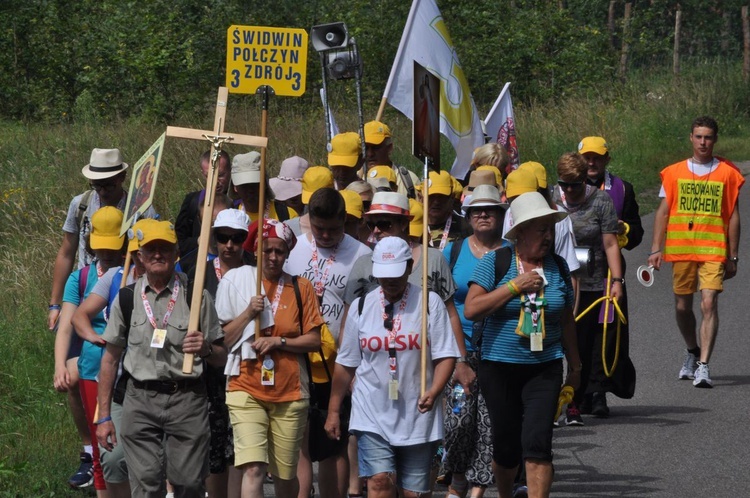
point(166, 386)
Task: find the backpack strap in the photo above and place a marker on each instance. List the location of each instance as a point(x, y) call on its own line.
point(126, 297)
point(282, 210)
point(502, 264)
point(298, 295)
point(83, 206)
point(406, 178)
point(455, 251)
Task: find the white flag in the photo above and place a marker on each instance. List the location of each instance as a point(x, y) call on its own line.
point(500, 126)
point(426, 40)
point(333, 129)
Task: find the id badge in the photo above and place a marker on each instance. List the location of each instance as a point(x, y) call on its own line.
point(393, 389)
point(536, 342)
point(266, 372)
point(159, 338)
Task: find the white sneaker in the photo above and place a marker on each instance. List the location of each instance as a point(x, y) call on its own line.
point(702, 378)
point(689, 366)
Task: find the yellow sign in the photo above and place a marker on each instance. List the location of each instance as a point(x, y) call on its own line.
point(260, 55)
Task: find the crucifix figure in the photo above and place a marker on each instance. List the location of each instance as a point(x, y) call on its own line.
point(217, 139)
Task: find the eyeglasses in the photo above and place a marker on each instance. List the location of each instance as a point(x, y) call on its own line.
point(107, 187)
point(571, 185)
point(382, 225)
point(388, 320)
point(236, 238)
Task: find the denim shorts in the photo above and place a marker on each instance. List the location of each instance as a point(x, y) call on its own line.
point(411, 464)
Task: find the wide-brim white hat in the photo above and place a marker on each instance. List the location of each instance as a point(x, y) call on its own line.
point(531, 206)
point(483, 196)
point(104, 163)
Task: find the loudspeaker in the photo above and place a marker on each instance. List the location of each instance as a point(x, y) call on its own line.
point(343, 65)
point(332, 36)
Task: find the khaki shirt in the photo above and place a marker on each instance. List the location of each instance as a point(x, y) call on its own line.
point(144, 362)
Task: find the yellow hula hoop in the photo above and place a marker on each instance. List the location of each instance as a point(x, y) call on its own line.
point(620, 321)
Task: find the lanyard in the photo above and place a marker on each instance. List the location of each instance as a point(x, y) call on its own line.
point(170, 306)
point(277, 295)
point(217, 268)
point(320, 283)
point(395, 328)
point(447, 229)
point(533, 304)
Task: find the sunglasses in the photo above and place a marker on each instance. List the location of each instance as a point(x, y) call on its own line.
point(477, 212)
point(236, 238)
point(388, 320)
point(382, 225)
point(571, 185)
point(107, 187)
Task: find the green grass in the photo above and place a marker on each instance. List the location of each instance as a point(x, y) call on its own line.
point(646, 124)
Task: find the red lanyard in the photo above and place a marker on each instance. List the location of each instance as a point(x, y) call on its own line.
point(170, 306)
point(395, 329)
point(320, 283)
point(277, 295)
point(217, 268)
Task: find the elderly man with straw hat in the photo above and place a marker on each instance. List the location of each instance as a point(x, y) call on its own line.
point(105, 172)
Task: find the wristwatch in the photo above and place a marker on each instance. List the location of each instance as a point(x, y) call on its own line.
point(462, 359)
point(210, 351)
point(283, 342)
point(734, 259)
point(621, 280)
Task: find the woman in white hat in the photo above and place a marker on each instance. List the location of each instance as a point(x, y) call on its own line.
point(467, 428)
point(529, 327)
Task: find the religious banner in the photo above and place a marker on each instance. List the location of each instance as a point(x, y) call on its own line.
point(426, 124)
point(500, 126)
point(263, 56)
point(142, 184)
point(427, 41)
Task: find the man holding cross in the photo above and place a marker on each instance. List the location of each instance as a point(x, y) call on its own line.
point(165, 410)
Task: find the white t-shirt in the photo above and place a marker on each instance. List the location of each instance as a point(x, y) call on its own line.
point(299, 263)
point(697, 169)
point(365, 347)
point(565, 239)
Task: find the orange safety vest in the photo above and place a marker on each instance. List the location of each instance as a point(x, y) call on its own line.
point(699, 211)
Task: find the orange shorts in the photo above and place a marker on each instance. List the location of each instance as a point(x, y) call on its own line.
point(686, 275)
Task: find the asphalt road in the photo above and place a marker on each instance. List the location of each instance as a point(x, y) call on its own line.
point(671, 439)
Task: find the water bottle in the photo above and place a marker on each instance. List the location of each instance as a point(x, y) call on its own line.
point(459, 398)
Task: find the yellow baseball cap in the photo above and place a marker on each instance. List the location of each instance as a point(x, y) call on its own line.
point(440, 183)
point(376, 132)
point(105, 229)
point(315, 177)
point(353, 203)
point(540, 172)
point(597, 145)
point(519, 182)
point(158, 230)
point(382, 172)
point(345, 149)
point(138, 225)
point(416, 223)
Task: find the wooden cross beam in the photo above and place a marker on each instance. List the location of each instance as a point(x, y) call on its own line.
point(217, 138)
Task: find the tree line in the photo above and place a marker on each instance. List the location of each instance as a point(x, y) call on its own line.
point(164, 58)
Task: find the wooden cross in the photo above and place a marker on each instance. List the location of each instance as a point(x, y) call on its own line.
point(217, 139)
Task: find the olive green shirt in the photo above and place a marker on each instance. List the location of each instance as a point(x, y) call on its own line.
point(145, 362)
